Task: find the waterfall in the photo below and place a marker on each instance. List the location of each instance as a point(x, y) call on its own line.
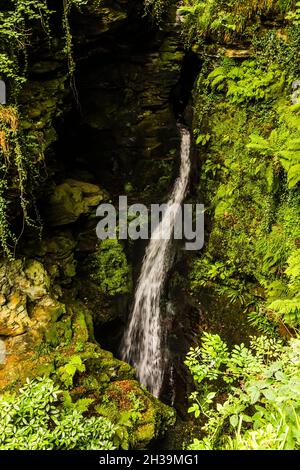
point(142, 344)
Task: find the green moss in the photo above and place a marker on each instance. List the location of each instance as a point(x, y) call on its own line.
point(59, 333)
point(111, 270)
point(145, 433)
point(140, 416)
point(250, 195)
point(228, 21)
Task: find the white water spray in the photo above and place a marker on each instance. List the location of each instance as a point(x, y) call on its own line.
point(143, 339)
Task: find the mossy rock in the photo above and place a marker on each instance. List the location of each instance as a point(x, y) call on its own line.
point(71, 199)
point(126, 402)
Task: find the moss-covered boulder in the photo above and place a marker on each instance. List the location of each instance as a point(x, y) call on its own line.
point(71, 199)
point(56, 339)
point(146, 419)
point(20, 283)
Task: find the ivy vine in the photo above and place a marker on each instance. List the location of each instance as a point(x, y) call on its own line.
point(19, 152)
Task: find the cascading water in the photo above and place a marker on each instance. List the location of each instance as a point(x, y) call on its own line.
point(142, 344)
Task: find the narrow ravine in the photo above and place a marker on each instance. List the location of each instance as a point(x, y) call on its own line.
point(142, 344)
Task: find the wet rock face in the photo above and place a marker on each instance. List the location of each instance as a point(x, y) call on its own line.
point(70, 200)
point(123, 139)
point(19, 284)
point(126, 74)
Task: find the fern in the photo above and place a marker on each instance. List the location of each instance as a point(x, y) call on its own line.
point(20, 153)
point(283, 143)
point(263, 322)
point(225, 19)
point(247, 82)
point(287, 305)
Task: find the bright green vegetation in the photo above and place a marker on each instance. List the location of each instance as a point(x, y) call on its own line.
point(111, 270)
point(66, 373)
point(42, 417)
point(17, 21)
point(226, 20)
point(249, 176)
point(20, 158)
point(247, 398)
point(247, 128)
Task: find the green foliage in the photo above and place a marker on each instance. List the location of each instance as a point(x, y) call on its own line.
point(17, 20)
point(203, 139)
point(157, 8)
point(283, 143)
point(273, 47)
point(249, 183)
point(111, 268)
point(257, 402)
point(248, 398)
point(15, 33)
point(68, 49)
point(263, 321)
point(39, 419)
point(124, 420)
point(247, 82)
point(225, 19)
point(206, 361)
point(20, 154)
point(284, 297)
point(67, 372)
point(294, 15)
point(19, 162)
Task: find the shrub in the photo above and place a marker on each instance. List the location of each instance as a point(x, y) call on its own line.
point(38, 419)
point(157, 8)
point(248, 398)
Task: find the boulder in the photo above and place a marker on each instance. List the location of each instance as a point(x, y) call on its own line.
point(71, 199)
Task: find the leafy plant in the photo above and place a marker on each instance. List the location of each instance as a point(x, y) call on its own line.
point(16, 24)
point(263, 321)
point(20, 154)
point(19, 161)
point(68, 49)
point(247, 82)
point(258, 404)
point(15, 33)
point(111, 270)
point(225, 19)
point(248, 181)
point(38, 418)
point(67, 372)
point(284, 298)
point(294, 15)
point(157, 8)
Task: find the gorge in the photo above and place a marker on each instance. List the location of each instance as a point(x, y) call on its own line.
point(142, 344)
